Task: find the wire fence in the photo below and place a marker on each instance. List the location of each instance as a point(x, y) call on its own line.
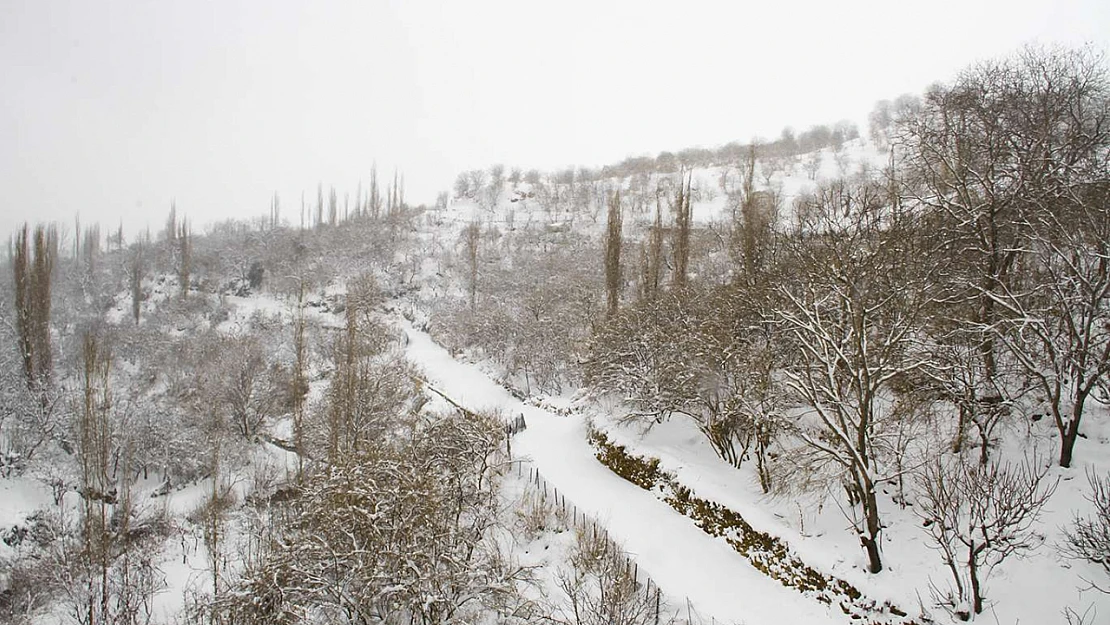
point(583, 522)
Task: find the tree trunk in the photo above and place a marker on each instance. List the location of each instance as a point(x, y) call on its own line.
point(871, 539)
point(973, 570)
point(1070, 432)
point(1068, 435)
point(961, 429)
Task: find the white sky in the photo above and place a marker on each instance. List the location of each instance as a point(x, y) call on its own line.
point(112, 108)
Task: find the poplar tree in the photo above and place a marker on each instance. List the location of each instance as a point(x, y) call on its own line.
point(613, 255)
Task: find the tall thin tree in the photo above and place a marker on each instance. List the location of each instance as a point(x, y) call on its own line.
point(613, 255)
point(682, 230)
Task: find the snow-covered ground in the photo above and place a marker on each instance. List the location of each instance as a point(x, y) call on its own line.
point(688, 564)
point(683, 560)
point(691, 567)
point(822, 535)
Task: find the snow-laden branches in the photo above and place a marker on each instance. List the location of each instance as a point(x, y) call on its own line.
point(397, 532)
point(854, 332)
point(1088, 538)
point(711, 356)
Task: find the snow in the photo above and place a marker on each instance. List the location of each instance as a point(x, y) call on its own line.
point(822, 538)
point(683, 560)
point(19, 498)
point(691, 567)
point(687, 564)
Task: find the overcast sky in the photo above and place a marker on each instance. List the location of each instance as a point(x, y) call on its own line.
point(113, 109)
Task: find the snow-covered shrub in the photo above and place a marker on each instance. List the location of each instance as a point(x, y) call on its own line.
point(1088, 538)
point(601, 587)
point(534, 310)
point(701, 354)
point(536, 515)
point(395, 532)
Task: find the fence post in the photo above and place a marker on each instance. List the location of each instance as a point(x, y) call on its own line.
point(656, 605)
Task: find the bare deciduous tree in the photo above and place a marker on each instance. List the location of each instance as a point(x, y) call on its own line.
point(977, 516)
point(853, 317)
point(185, 258)
point(1008, 146)
point(682, 230)
point(653, 254)
point(472, 237)
point(1088, 538)
point(613, 255)
point(33, 274)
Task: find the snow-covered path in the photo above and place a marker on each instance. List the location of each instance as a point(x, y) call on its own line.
point(682, 559)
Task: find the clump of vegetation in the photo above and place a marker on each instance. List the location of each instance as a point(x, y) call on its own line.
point(768, 554)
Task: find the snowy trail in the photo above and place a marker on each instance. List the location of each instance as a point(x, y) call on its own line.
point(682, 559)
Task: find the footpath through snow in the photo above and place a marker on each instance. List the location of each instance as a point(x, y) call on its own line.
point(683, 560)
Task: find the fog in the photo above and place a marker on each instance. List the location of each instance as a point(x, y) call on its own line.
point(114, 109)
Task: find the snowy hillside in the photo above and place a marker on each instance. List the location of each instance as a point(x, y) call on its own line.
point(810, 381)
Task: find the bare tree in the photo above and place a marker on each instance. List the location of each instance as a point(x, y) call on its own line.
point(977, 516)
point(33, 274)
point(682, 230)
point(653, 254)
point(812, 164)
point(1054, 108)
point(1007, 145)
point(369, 385)
point(613, 255)
point(879, 122)
point(1088, 538)
point(185, 259)
point(497, 176)
point(958, 380)
point(375, 195)
point(710, 357)
point(95, 448)
point(852, 317)
point(333, 207)
point(1057, 326)
point(397, 533)
point(300, 381)
point(472, 237)
point(477, 181)
point(251, 388)
point(135, 271)
point(753, 224)
point(462, 185)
